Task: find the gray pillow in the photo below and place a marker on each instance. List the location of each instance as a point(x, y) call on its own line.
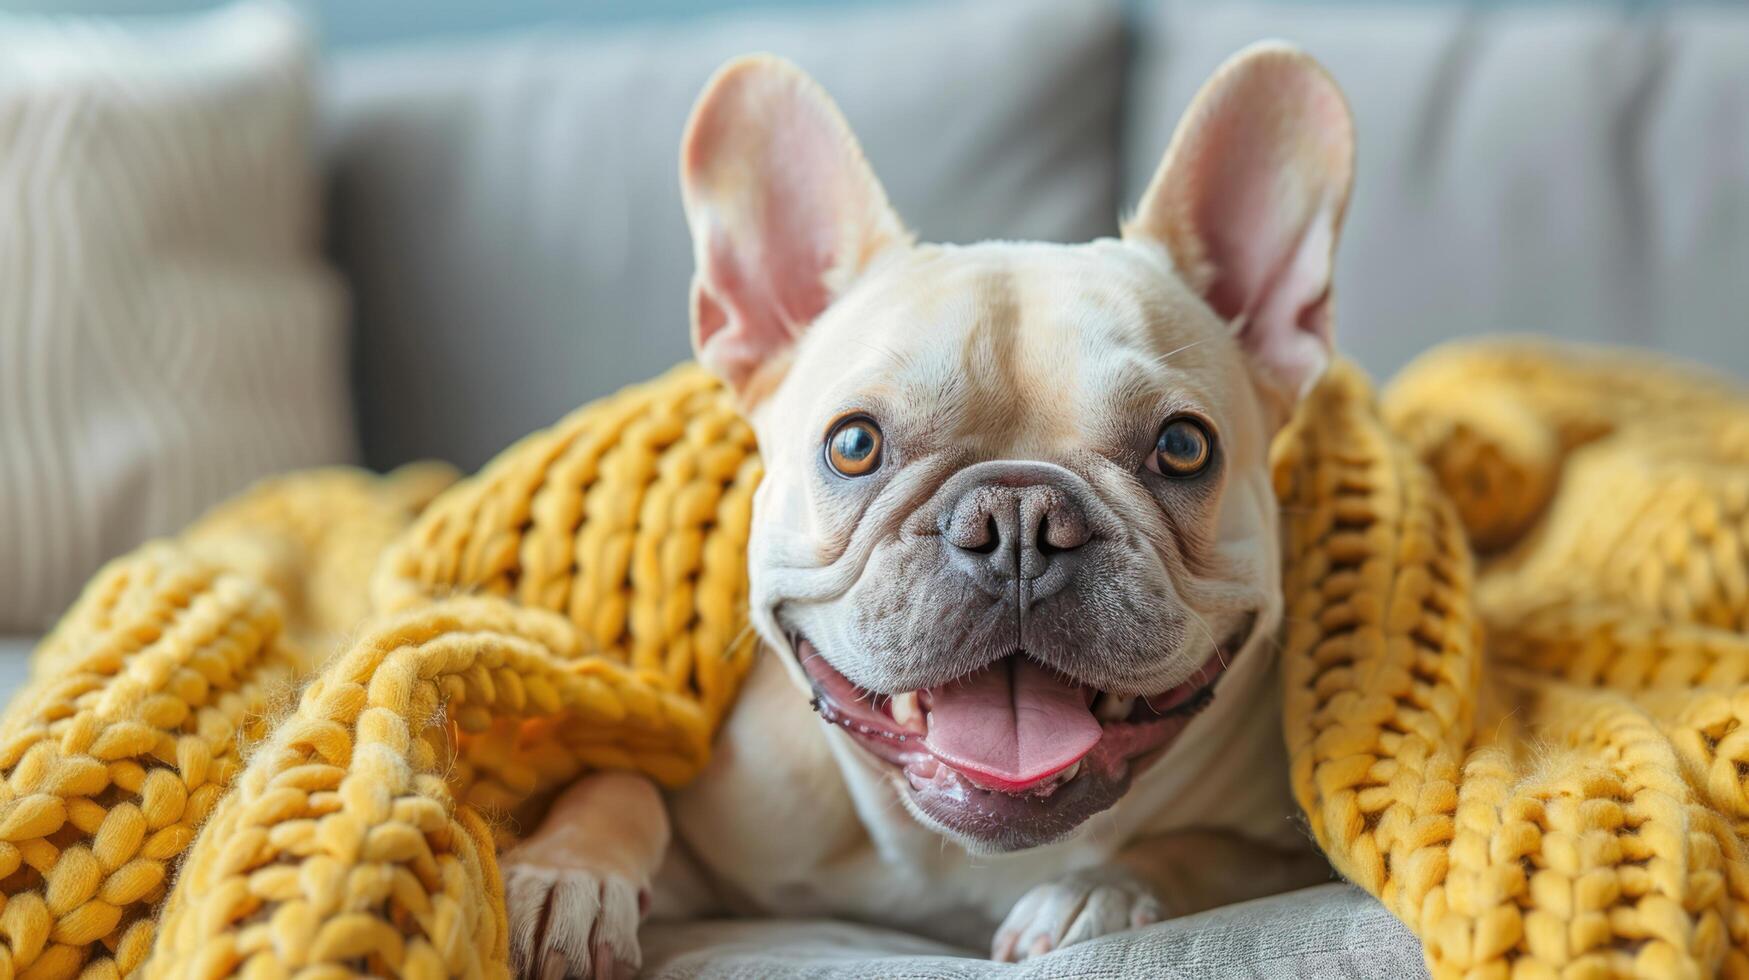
point(508, 211)
point(1578, 171)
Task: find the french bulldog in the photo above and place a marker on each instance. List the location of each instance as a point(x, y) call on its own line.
point(1014, 560)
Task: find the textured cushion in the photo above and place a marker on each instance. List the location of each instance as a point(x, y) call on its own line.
point(508, 211)
point(1572, 170)
point(168, 332)
point(1328, 931)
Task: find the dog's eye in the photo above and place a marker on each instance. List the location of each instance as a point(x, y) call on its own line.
point(853, 447)
point(1182, 450)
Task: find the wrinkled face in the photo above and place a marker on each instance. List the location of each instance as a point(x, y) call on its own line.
point(1016, 521)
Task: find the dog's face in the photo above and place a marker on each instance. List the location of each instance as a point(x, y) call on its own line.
point(1016, 519)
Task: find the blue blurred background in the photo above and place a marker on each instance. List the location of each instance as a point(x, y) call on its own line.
point(347, 23)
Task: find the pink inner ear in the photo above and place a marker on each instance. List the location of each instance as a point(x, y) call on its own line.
point(1270, 173)
point(1291, 330)
point(707, 315)
point(782, 207)
point(805, 207)
point(1249, 201)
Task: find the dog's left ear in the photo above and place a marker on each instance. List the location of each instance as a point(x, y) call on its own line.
point(785, 213)
point(1248, 202)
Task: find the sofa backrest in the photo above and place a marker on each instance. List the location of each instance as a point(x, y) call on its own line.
point(508, 211)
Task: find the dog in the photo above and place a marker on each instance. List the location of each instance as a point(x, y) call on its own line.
point(1014, 560)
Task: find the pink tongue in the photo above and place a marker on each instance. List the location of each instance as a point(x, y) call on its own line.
point(1011, 726)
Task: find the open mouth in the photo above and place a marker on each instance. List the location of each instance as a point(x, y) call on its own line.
point(1014, 754)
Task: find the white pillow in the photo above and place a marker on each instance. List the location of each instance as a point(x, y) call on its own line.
point(168, 330)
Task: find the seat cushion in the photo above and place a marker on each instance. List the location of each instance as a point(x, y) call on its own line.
point(1569, 169)
point(508, 210)
point(1329, 931)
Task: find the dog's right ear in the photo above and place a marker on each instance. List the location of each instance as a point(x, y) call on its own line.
point(1249, 202)
point(784, 211)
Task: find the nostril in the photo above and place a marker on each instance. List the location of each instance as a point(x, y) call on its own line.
point(1045, 545)
point(988, 542)
point(1066, 533)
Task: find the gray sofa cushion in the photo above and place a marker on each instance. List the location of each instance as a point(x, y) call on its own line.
point(1573, 170)
point(1328, 931)
point(508, 211)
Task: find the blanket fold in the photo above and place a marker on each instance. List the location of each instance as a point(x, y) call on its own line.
point(291, 741)
point(1515, 656)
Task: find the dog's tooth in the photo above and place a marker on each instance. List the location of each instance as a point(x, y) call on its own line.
point(1072, 771)
point(1114, 708)
point(905, 710)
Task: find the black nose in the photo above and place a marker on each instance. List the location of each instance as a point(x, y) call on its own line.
point(1019, 526)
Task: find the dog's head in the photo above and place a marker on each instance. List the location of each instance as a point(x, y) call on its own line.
point(1016, 516)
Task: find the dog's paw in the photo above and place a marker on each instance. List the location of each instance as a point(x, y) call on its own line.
point(1074, 909)
point(572, 924)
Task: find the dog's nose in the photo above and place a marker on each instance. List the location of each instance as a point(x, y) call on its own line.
point(1021, 524)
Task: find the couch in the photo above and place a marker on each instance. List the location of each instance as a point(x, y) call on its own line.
point(504, 215)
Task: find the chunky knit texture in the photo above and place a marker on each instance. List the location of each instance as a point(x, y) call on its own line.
point(147, 694)
point(1567, 798)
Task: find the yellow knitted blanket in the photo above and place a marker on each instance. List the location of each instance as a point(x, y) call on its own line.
point(291, 741)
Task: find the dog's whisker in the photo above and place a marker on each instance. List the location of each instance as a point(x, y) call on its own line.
point(735, 644)
point(1203, 623)
point(892, 355)
point(1160, 361)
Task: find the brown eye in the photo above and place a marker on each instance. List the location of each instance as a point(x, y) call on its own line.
point(853, 447)
point(1182, 450)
